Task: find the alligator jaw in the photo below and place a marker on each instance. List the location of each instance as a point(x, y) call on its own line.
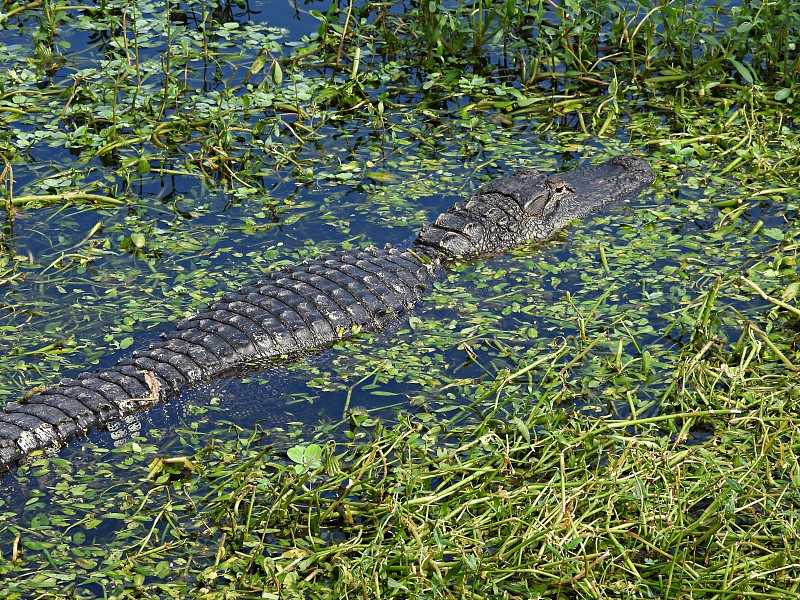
point(599, 185)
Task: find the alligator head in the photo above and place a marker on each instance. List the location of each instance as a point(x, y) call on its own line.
point(529, 206)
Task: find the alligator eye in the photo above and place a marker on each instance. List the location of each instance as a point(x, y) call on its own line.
point(559, 186)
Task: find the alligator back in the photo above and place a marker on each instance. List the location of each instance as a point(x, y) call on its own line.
point(291, 311)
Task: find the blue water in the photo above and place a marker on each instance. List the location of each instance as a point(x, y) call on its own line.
point(204, 238)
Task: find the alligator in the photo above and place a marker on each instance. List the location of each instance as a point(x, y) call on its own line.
point(310, 306)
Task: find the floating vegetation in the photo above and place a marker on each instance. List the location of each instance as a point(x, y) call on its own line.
point(612, 414)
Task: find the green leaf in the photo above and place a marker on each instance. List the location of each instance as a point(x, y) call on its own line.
point(258, 63)
point(305, 457)
point(138, 239)
point(790, 292)
point(522, 428)
point(382, 176)
point(313, 452)
point(782, 94)
point(743, 70)
point(395, 585)
point(143, 166)
point(277, 73)
point(774, 233)
point(40, 520)
point(295, 454)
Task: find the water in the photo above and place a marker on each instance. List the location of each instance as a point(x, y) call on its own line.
point(205, 236)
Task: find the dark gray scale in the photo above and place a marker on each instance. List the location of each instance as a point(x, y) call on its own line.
point(407, 276)
point(30, 423)
point(208, 332)
point(433, 238)
point(389, 300)
point(57, 418)
point(285, 342)
point(425, 273)
point(9, 432)
point(97, 403)
point(321, 329)
point(130, 384)
point(83, 416)
point(174, 376)
point(411, 271)
point(496, 215)
point(259, 342)
point(174, 354)
point(361, 292)
point(254, 287)
point(406, 293)
point(146, 383)
point(413, 261)
point(342, 297)
point(250, 288)
point(293, 324)
point(407, 260)
point(320, 302)
point(226, 326)
point(239, 331)
point(264, 325)
point(358, 269)
point(460, 224)
point(264, 316)
point(115, 394)
point(500, 211)
point(388, 305)
point(10, 452)
point(131, 371)
point(202, 356)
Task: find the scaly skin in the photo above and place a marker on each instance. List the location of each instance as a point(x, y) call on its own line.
point(313, 305)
